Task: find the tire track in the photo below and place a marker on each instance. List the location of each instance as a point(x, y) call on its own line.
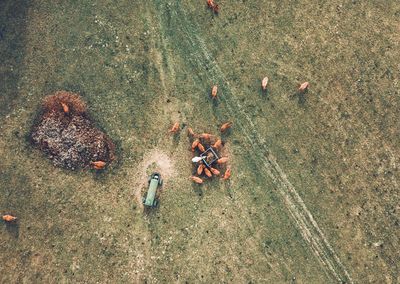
point(308, 227)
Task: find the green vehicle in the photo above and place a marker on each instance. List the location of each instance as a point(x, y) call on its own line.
point(154, 181)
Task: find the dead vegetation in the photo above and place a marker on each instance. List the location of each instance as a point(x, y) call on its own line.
point(66, 134)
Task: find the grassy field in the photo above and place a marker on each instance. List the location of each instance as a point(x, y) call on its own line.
point(314, 194)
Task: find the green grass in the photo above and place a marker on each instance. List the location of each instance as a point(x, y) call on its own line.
point(142, 66)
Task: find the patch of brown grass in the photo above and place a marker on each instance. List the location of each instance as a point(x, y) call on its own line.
point(53, 103)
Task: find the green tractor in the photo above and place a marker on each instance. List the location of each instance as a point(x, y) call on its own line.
point(155, 180)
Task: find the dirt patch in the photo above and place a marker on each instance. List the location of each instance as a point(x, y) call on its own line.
point(153, 161)
point(65, 133)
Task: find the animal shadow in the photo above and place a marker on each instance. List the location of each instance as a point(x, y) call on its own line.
point(198, 190)
point(13, 229)
point(265, 94)
point(301, 97)
point(2, 32)
point(176, 138)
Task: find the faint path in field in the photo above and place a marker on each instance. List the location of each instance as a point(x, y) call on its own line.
point(155, 159)
point(308, 227)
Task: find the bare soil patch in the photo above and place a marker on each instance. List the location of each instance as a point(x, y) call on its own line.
point(153, 161)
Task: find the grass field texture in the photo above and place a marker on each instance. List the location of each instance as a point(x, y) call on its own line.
point(314, 194)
